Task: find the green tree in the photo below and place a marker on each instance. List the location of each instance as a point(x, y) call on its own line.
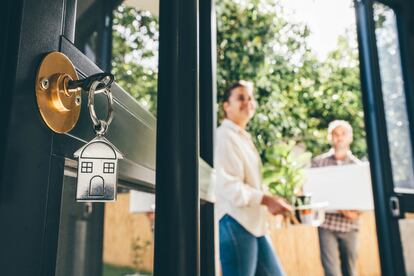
point(255, 42)
point(283, 173)
point(338, 96)
point(297, 94)
point(135, 54)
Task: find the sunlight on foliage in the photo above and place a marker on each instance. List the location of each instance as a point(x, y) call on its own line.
point(135, 54)
point(283, 173)
point(297, 94)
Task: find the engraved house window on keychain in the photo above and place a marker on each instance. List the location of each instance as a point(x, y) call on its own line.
point(98, 160)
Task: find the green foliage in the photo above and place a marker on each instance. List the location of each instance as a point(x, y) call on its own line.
point(113, 270)
point(135, 54)
point(139, 248)
point(283, 173)
point(339, 96)
point(297, 94)
point(240, 49)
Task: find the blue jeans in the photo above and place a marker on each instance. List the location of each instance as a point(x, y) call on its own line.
point(242, 254)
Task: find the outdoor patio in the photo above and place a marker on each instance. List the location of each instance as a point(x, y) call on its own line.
point(297, 245)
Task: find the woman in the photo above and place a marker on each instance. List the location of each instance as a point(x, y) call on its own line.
point(241, 203)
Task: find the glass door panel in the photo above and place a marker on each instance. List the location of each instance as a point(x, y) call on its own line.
point(135, 51)
point(383, 32)
point(122, 245)
point(80, 234)
point(115, 238)
point(395, 105)
point(128, 234)
point(90, 31)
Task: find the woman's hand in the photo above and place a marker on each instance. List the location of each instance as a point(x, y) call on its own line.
point(276, 205)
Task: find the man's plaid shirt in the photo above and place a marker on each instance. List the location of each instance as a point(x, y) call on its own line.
point(336, 221)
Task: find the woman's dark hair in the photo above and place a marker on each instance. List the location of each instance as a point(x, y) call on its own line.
point(227, 93)
point(240, 83)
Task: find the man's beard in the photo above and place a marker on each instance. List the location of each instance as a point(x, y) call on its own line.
point(341, 147)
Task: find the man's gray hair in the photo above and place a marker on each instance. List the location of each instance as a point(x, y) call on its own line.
point(339, 123)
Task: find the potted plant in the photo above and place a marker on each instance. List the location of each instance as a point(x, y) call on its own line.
point(139, 249)
point(283, 172)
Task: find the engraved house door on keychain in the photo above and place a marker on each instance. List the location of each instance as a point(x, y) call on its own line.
point(97, 171)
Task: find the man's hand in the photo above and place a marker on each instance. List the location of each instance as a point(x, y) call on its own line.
point(276, 205)
point(350, 214)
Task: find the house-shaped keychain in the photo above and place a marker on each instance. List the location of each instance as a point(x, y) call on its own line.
point(97, 171)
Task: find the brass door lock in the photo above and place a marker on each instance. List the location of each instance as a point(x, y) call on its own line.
point(58, 105)
point(58, 91)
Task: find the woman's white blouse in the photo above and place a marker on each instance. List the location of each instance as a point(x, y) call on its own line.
point(239, 188)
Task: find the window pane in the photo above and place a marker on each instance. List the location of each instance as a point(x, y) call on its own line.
point(80, 234)
point(128, 234)
point(398, 129)
point(108, 239)
point(134, 45)
point(90, 21)
point(135, 51)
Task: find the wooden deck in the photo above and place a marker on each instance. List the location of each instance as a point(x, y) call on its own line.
point(296, 245)
point(298, 249)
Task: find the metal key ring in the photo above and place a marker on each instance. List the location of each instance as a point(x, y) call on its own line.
point(100, 126)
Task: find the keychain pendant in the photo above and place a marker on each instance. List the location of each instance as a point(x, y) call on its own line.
point(97, 171)
point(97, 160)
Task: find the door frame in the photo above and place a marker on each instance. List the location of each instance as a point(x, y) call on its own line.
point(34, 160)
point(388, 231)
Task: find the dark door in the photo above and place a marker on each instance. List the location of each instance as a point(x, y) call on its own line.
point(44, 231)
point(386, 36)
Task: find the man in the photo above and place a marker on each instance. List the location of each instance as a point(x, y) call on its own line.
point(338, 235)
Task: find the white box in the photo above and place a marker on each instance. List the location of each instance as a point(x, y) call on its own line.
point(346, 187)
point(140, 202)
